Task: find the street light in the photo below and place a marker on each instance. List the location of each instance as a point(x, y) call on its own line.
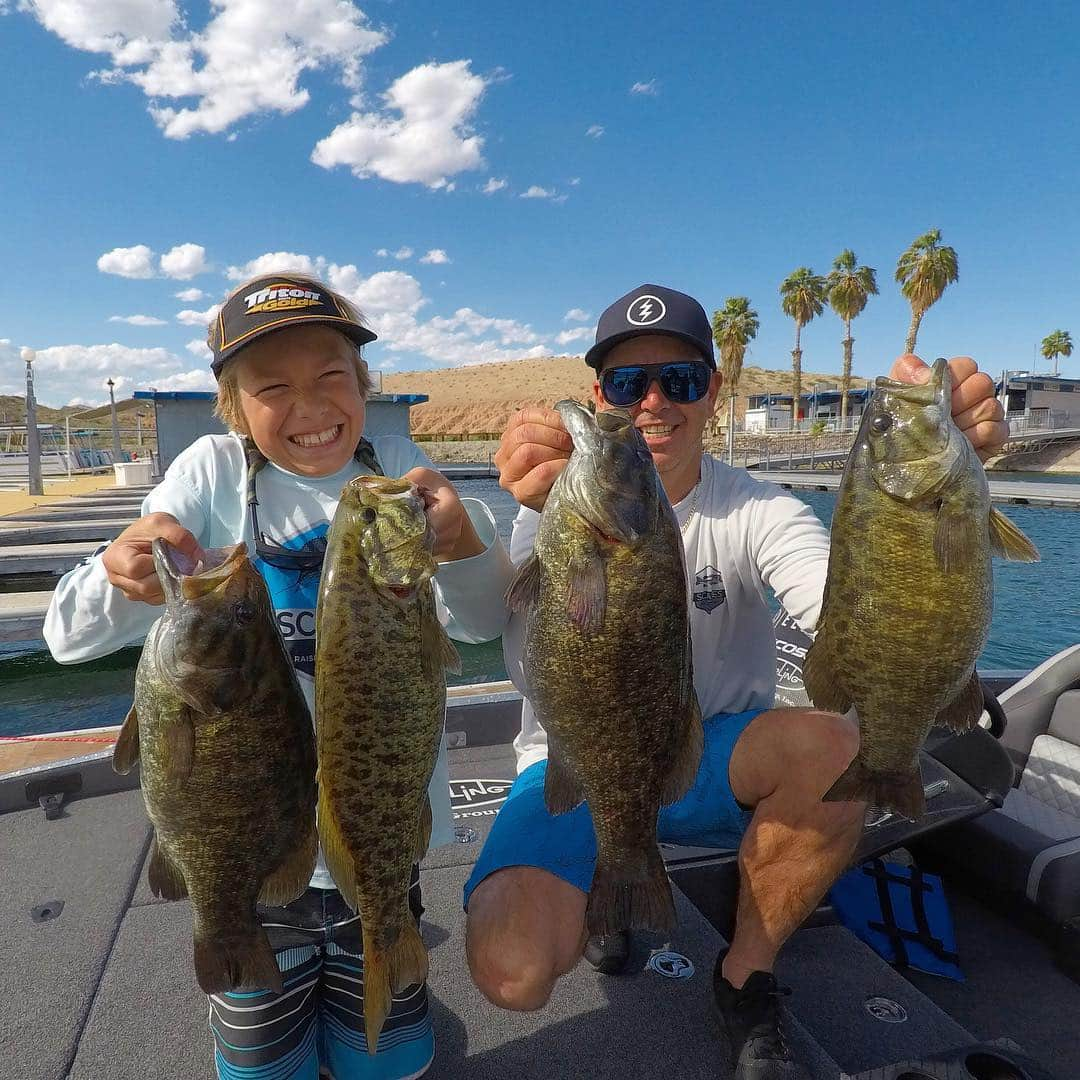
point(116, 453)
point(34, 485)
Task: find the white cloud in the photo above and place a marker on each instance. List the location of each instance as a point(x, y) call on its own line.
point(198, 347)
point(383, 253)
point(196, 379)
point(138, 320)
point(189, 296)
point(248, 58)
point(277, 262)
point(184, 261)
point(579, 333)
point(493, 185)
point(403, 253)
point(435, 257)
point(575, 180)
point(78, 372)
point(595, 131)
point(129, 262)
point(649, 89)
point(576, 314)
point(197, 318)
point(537, 192)
point(431, 140)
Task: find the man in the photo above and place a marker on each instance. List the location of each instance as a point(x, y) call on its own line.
point(763, 769)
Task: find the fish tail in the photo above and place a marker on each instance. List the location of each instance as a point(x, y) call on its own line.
point(237, 960)
point(619, 901)
point(404, 964)
point(900, 792)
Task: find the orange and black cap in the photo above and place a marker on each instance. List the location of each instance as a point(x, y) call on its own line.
point(272, 303)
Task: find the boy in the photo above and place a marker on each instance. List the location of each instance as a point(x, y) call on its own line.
point(291, 388)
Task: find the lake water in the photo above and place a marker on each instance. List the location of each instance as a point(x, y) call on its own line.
point(1037, 613)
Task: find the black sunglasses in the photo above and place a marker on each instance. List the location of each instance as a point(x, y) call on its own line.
point(683, 381)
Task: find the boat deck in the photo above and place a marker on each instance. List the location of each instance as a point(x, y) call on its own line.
point(106, 989)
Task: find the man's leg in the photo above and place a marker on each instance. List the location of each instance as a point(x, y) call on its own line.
point(796, 845)
point(525, 928)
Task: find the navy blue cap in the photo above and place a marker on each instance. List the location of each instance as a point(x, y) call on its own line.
point(275, 301)
point(653, 309)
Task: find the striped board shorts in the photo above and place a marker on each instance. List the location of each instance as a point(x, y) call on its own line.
point(315, 1027)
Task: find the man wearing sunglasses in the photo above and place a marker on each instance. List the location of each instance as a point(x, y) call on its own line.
point(763, 769)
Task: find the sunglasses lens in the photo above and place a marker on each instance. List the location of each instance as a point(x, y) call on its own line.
point(684, 383)
point(623, 386)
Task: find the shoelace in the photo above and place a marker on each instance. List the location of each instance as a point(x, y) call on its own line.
point(767, 1033)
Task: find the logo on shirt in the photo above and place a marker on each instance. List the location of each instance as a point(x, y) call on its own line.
point(297, 626)
point(709, 591)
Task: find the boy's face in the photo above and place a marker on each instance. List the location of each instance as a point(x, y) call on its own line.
point(300, 397)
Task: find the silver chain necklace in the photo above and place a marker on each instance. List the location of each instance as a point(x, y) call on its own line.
point(693, 508)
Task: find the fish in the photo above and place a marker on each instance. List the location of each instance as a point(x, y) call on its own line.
point(607, 660)
point(909, 589)
point(227, 752)
point(381, 657)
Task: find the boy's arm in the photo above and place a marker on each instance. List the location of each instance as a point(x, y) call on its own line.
point(89, 614)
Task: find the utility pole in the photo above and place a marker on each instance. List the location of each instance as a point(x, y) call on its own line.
point(116, 452)
point(34, 485)
point(67, 442)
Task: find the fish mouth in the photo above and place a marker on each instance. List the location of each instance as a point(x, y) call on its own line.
point(182, 577)
point(937, 388)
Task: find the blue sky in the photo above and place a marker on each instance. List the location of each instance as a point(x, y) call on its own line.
point(391, 146)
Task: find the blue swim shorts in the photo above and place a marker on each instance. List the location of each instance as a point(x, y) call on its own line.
point(525, 834)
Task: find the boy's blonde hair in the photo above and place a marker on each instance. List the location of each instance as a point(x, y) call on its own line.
point(228, 408)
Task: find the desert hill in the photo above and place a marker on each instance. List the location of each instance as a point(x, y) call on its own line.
point(480, 398)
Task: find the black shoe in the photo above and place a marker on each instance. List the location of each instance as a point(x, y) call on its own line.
point(750, 1017)
point(609, 953)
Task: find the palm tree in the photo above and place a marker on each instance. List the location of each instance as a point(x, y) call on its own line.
point(733, 329)
point(924, 272)
point(850, 286)
point(802, 296)
point(1059, 343)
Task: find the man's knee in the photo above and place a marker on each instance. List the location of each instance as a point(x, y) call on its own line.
point(826, 741)
point(520, 936)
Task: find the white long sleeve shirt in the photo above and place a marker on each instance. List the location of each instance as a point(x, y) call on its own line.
point(205, 489)
point(744, 536)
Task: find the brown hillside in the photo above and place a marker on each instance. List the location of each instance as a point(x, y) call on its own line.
point(482, 397)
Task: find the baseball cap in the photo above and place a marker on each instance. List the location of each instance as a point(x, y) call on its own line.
point(653, 309)
point(273, 302)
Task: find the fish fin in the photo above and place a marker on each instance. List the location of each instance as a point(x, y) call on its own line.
point(126, 751)
point(586, 599)
point(955, 541)
point(618, 902)
point(438, 653)
point(562, 789)
point(821, 687)
point(963, 712)
point(242, 960)
point(291, 876)
point(404, 964)
point(339, 860)
point(525, 586)
point(901, 793)
point(164, 875)
point(180, 747)
point(423, 832)
point(684, 769)
point(1008, 541)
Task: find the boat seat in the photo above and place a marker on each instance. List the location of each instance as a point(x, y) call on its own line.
point(1033, 842)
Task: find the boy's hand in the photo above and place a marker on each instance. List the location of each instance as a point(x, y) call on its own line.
point(534, 449)
point(978, 414)
point(129, 562)
point(455, 537)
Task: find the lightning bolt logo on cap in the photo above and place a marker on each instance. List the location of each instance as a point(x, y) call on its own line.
point(645, 310)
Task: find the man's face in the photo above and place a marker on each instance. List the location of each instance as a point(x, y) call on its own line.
point(301, 400)
point(672, 431)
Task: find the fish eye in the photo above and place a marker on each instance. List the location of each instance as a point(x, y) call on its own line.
point(368, 514)
point(243, 612)
point(881, 423)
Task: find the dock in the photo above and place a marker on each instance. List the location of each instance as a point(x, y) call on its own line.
point(1007, 492)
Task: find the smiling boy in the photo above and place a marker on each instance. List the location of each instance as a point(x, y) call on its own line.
point(292, 387)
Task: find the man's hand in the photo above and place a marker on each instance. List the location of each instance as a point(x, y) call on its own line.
point(978, 414)
point(533, 450)
point(128, 560)
point(455, 537)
